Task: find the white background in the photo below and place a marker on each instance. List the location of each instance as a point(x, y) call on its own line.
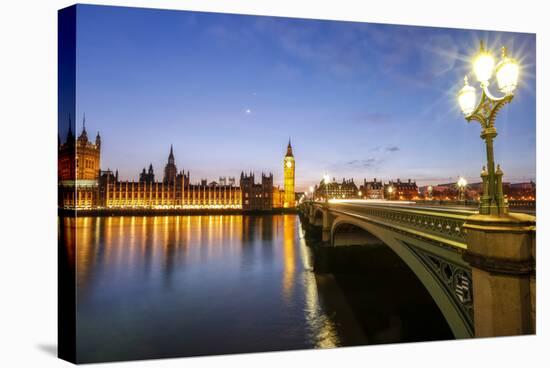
point(28, 139)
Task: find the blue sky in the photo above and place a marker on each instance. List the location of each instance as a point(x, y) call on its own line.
point(358, 99)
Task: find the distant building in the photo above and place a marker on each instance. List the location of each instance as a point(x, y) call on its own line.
point(87, 156)
point(473, 191)
point(289, 169)
point(522, 191)
point(401, 190)
point(372, 189)
point(227, 181)
point(147, 177)
point(334, 190)
point(441, 192)
point(256, 196)
point(79, 169)
point(170, 170)
point(278, 197)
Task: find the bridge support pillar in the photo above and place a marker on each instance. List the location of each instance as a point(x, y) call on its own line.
point(311, 214)
point(327, 226)
point(501, 251)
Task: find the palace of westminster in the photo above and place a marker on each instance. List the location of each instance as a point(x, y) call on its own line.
point(83, 185)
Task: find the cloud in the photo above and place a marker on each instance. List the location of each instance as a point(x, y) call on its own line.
point(364, 163)
point(334, 47)
point(392, 148)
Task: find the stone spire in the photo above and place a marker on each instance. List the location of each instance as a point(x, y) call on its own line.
point(84, 135)
point(289, 149)
point(171, 156)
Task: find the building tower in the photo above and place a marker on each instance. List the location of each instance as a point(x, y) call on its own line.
point(170, 171)
point(87, 156)
point(289, 171)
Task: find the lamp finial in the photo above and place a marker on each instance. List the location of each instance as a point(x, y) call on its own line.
point(481, 46)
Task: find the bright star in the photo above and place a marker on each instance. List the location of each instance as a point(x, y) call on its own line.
point(248, 111)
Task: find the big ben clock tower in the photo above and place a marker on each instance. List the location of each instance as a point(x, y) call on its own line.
point(289, 170)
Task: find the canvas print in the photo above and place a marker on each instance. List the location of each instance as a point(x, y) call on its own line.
point(233, 184)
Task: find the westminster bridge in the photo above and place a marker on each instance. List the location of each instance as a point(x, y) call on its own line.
point(479, 269)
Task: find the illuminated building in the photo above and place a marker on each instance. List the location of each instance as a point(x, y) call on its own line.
point(175, 191)
point(401, 190)
point(87, 156)
point(372, 189)
point(82, 185)
point(513, 191)
point(159, 195)
point(289, 176)
point(335, 190)
point(78, 169)
point(522, 191)
point(443, 191)
point(147, 176)
point(278, 197)
point(170, 170)
point(256, 196)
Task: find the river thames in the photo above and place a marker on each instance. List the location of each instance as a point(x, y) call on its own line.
point(168, 286)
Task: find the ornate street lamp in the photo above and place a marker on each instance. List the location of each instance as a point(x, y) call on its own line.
point(507, 73)
point(326, 179)
point(461, 184)
point(390, 191)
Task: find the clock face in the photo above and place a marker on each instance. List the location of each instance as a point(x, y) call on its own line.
point(289, 164)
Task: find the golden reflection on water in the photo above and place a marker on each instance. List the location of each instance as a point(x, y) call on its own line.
point(289, 237)
point(123, 247)
point(324, 329)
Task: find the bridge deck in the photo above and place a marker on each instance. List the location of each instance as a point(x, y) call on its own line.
point(443, 225)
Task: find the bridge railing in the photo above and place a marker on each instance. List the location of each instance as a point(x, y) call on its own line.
point(438, 224)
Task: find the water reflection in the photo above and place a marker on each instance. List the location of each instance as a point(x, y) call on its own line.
point(193, 285)
point(289, 245)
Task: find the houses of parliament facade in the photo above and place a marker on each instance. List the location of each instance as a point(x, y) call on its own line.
point(83, 185)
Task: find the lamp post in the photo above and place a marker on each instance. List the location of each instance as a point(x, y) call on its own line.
point(390, 192)
point(507, 73)
point(461, 184)
point(500, 245)
point(326, 179)
point(311, 192)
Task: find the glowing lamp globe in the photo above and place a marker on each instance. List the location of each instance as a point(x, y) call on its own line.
point(507, 72)
point(484, 64)
point(462, 182)
point(467, 98)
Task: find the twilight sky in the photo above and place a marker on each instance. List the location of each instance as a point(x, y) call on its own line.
point(358, 100)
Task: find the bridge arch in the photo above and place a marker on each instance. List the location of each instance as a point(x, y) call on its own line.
point(374, 234)
point(318, 217)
